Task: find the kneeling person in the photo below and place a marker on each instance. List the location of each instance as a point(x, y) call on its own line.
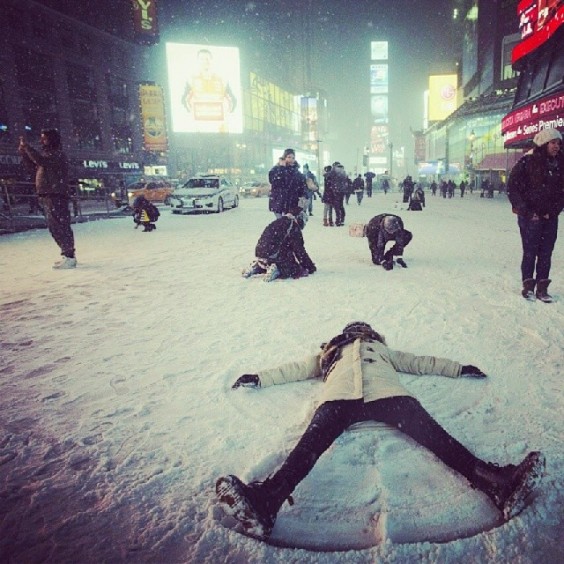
point(280, 250)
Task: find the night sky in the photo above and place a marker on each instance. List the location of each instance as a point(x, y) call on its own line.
point(271, 37)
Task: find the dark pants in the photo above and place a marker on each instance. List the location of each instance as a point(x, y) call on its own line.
point(403, 239)
point(538, 239)
point(339, 206)
point(57, 214)
point(403, 412)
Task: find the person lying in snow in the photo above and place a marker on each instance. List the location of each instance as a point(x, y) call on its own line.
point(280, 251)
point(361, 381)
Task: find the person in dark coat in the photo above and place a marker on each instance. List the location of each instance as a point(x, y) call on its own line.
point(359, 374)
point(329, 197)
point(280, 251)
point(417, 199)
point(382, 229)
point(52, 187)
point(288, 185)
point(369, 180)
point(339, 181)
point(145, 213)
point(358, 187)
point(408, 186)
point(536, 191)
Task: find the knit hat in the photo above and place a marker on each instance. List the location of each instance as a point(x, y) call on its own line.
point(545, 136)
point(357, 326)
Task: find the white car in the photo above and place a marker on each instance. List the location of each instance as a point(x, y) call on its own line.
point(205, 193)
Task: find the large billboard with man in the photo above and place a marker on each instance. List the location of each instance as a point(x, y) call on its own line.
point(205, 88)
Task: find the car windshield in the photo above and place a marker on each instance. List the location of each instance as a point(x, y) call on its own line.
point(202, 183)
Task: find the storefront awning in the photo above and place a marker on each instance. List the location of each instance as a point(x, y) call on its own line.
point(499, 161)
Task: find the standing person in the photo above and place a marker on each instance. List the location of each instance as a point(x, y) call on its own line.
point(280, 251)
point(311, 188)
point(536, 191)
point(417, 200)
point(52, 187)
point(383, 229)
point(361, 384)
point(358, 187)
point(433, 188)
point(462, 188)
point(288, 185)
point(339, 181)
point(408, 186)
point(328, 199)
point(369, 175)
point(385, 185)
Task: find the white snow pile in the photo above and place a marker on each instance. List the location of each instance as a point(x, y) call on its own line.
point(117, 414)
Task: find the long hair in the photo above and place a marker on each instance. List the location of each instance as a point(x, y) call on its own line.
point(53, 137)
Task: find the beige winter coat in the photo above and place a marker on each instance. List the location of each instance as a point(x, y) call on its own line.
point(366, 369)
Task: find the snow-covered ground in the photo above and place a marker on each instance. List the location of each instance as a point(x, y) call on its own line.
point(117, 417)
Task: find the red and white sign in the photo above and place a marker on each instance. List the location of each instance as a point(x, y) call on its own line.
point(524, 123)
point(538, 22)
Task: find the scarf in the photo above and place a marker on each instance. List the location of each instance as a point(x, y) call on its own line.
point(333, 349)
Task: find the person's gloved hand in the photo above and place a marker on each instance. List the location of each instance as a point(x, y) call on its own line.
point(247, 381)
point(401, 262)
point(387, 264)
point(472, 371)
point(313, 269)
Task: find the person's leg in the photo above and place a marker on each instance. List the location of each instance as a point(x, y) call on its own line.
point(58, 218)
point(548, 236)
point(408, 415)
point(530, 231)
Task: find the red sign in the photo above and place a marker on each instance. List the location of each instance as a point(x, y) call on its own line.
point(145, 23)
point(538, 22)
point(522, 124)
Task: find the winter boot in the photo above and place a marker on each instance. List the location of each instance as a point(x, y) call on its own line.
point(251, 270)
point(65, 264)
point(254, 505)
point(325, 223)
point(272, 273)
point(528, 291)
point(510, 486)
point(542, 294)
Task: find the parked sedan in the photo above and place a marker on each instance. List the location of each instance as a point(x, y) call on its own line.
point(255, 189)
point(206, 193)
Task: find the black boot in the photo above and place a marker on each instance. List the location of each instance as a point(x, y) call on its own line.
point(254, 505)
point(542, 294)
point(528, 291)
point(509, 486)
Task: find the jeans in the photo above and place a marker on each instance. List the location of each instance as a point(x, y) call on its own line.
point(538, 238)
point(328, 213)
point(403, 412)
point(57, 214)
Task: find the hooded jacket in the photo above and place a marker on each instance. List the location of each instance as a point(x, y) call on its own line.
point(51, 171)
point(367, 369)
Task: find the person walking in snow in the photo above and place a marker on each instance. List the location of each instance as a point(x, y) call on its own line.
point(339, 181)
point(358, 187)
point(382, 229)
point(329, 197)
point(280, 251)
point(536, 191)
point(361, 384)
point(52, 187)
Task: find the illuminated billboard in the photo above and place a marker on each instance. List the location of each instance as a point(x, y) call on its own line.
point(442, 96)
point(153, 117)
point(379, 50)
point(379, 79)
point(538, 22)
point(205, 88)
point(145, 24)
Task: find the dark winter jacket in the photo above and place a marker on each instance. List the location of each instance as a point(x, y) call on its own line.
point(338, 179)
point(51, 170)
point(329, 190)
point(536, 184)
point(378, 236)
point(288, 186)
point(140, 205)
point(282, 243)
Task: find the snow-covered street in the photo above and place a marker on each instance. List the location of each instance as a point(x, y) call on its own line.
point(117, 416)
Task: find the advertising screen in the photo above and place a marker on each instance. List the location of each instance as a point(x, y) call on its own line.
point(379, 79)
point(205, 88)
point(379, 50)
point(538, 22)
point(153, 117)
point(442, 96)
